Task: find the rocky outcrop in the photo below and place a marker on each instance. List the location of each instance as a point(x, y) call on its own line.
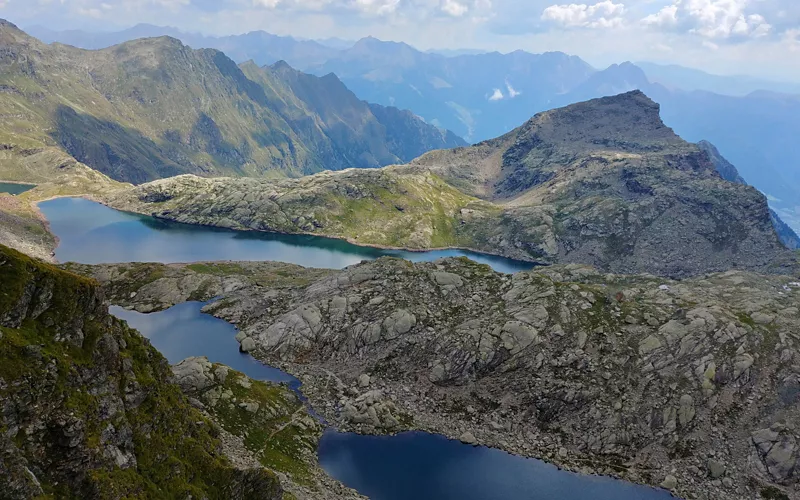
point(603, 183)
point(88, 407)
point(263, 424)
point(689, 384)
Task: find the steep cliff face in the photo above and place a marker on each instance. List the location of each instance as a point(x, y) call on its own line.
point(87, 407)
point(729, 172)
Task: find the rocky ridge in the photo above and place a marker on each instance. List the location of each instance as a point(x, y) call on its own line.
point(603, 183)
point(154, 108)
point(691, 385)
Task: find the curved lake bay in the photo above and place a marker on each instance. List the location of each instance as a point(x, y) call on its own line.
point(91, 233)
point(412, 465)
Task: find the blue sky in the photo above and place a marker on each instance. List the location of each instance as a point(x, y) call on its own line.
point(759, 37)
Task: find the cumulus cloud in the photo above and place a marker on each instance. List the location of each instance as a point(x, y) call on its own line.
point(605, 14)
point(498, 95)
point(711, 19)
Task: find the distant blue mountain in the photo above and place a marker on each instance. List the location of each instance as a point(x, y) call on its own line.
point(680, 77)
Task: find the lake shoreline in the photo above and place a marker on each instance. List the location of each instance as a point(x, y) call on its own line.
point(352, 241)
point(324, 245)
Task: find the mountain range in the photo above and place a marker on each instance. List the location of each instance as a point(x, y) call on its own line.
point(152, 108)
point(479, 96)
point(602, 182)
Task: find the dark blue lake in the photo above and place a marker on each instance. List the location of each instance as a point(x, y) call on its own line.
point(91, 233)
point(408, 466)
point(14, 188)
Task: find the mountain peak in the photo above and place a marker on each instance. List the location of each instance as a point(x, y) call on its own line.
point(8, 24)
point(630, 121)
point(281, 66)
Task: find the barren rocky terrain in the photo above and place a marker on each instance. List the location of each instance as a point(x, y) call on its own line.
point(692, 385)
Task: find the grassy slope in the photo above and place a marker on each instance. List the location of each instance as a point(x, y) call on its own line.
point(155, 108)
point(50, 380)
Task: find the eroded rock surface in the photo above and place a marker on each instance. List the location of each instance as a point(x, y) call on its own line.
point(696, 381)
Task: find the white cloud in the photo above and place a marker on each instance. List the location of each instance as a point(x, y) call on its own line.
point(454, 8)
point(377, 7)
point(711, 19)
point(497, 95)
point(605, 14)
point(374, 7)
point(94, 13)
point(668, 16)
point(512, 93)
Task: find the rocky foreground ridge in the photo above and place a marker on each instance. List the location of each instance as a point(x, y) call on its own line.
point(691, 385)
point(88, 409)
point(603, 183)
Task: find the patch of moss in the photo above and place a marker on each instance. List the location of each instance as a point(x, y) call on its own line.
point(745, 319)
point(773, 493)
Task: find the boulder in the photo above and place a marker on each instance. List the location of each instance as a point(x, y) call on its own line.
point(670, 482)
point(247, 345)
point(193, 374)
point(686, 410)
point(398, 323)
point(448, 279)
point(716, 469)
point(468, 438)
